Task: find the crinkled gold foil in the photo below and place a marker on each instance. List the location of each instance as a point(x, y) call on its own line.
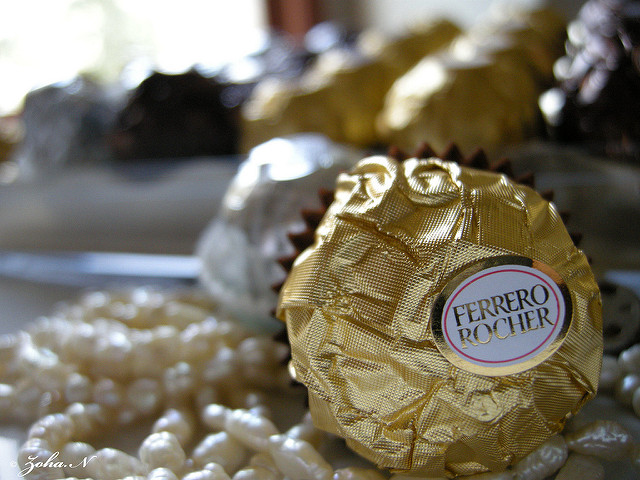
point(358, 303)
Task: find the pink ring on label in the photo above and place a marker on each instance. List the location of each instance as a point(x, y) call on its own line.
point(501, 316)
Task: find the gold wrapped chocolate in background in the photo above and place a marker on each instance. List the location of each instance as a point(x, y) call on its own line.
point(358, 305)
point(437, 82)
point(342, 93)
point(481, 90)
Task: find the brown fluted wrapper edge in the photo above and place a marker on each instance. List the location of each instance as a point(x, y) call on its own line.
point(359, 307)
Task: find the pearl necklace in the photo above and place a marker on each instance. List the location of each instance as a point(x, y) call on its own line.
point(113, 359)
point(621, 375)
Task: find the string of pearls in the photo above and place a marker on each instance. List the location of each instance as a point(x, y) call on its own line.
point(113, 359)
point(621, 375)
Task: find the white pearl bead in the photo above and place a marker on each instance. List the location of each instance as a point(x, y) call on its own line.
point(56, 429)
point(265, 460)
point(357, 473)
point(162, 449)
point(111, 356)
point(259, 410)
point(543, 461)
point(217, 470)
point(86, 418)
point(141, 364)
point(154, 351)
point(108, 393)
point(94, 300)
point(105, 325)
point(201, 475)
point(251, 430)
point(260, 351)
point(298, 460)
point(36, 462)
point(581, 467)
point(147, 297)
point(220, 448)
point(144, 395)
point(35, 443)
point(179, 380)
point(223, 365)
point(83, 344)
point(629, 359)
point(52, 377)
point(180, 423)
point(610, 372)
point(78, 388)
point(113, 464)
point(603, 439)
point(77, 455)
point(196, 343)
point(125, 312)
point(306, 430)
point(625, 387)
point(30, 358)
point(47, 472)
point(214, 416)
point(161, 474)
point(182, 314)
point(230, 332)
point(258, 473)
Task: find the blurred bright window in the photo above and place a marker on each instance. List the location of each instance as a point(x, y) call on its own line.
point(48, 41)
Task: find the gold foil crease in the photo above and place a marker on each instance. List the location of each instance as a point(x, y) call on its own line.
point(357, 306)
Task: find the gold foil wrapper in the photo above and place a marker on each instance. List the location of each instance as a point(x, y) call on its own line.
point(359, 303)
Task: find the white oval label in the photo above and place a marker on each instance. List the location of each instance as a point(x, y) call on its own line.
point(501, 316)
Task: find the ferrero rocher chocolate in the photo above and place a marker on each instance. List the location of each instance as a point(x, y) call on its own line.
point(481, 90)
point(342, 93)
point(443, 321)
